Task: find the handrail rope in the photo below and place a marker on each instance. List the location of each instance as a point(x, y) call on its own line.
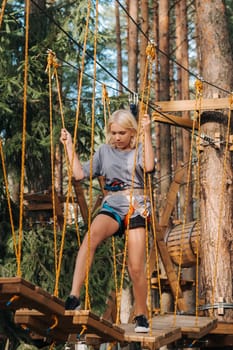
point(91, 161)
point(27, 10)
point(49, 65)
point(106, 105)
point(189, 172)
point(2, 11)
point(151, 50)
point(150, 54)
point(8, 199)
point(170, 57)
point(127, 227)
point(129, 213)
point(197, 117)
point(52, 62)
point(108, 72)
point(56, 65)
point(221, 198)
point(74, 142)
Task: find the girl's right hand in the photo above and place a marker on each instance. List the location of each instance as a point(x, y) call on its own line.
point(65, 137)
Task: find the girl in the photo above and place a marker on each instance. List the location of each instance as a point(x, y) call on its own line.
point(116, 161)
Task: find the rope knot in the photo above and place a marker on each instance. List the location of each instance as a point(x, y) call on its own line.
point(150, 51)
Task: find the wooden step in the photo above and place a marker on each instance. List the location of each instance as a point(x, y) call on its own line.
point(16, 293)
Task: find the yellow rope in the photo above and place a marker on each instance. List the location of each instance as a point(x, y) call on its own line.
point(189, 173)
point(2, 11)
point(74, 145)
point(131, 206)
point(155, 241)
point(91, 161)
point(150, 51)
point(27, 10)
point(106, 104)
point(8, 199)
point(221, 206)
point(197, 117)
point(50, 64)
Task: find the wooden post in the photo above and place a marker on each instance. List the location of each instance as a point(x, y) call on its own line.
point(216, 201)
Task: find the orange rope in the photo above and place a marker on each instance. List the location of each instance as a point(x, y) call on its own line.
point(2, 12)
point(91, 162)
point(74, 145)
point(50, 64)
point(27, 9)
point(8, 199)
point(199, 91)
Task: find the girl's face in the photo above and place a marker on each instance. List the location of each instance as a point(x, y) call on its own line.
point(120, 137)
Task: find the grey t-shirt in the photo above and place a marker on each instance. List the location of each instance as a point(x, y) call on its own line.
point(117, 166)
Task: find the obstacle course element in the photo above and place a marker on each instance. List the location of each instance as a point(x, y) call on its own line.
point(185, 238)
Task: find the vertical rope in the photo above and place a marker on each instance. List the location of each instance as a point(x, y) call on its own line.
point(8, 199)
point(74, 145)
point(198, 99)
point(189, 172)
point(27, 10)
point(2, 11)
point(50, 64)
point(91, 160)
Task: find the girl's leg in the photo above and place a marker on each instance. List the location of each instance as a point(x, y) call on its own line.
point(136, 266)
point(102, 227)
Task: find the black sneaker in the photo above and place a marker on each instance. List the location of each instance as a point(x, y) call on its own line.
point(72, 303)
point(142, 325)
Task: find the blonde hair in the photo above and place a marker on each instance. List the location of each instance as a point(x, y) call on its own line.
point(126, 120)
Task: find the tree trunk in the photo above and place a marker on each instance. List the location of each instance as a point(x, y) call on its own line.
point(165, 139)
point(183, 136)
point(118, 47)
point(132, 45)
point(216, 201)
point(143, 41)
point(216, 217)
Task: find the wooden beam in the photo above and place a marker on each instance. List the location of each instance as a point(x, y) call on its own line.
point(174, 120)
point(160, 234)
point(192, 105)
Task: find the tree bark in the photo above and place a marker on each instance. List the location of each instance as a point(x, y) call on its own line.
point(143, 41)
point(164, 134)
point(132, 45)
point(216, 176)
point(118, 46)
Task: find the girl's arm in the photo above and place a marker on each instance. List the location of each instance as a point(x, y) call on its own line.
point(66, 139)
point(149, 151)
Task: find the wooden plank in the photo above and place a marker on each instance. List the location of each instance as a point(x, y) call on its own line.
point(24, 294)
point(72, 322)
point(223, 328)
point(191, 105)
point(157, 337)
point(174, 120)
point(191, 326)
point(39, 323)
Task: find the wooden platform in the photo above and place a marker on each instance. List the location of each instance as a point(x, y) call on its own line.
point(156, 338)
point(71, 322)
point(191, 326)
point(16, 293)
point(39, 312)
point(165, 328)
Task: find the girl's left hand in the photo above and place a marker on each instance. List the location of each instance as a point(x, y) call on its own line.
point(145, 123)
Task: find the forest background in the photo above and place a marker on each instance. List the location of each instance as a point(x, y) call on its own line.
point(125, 28)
